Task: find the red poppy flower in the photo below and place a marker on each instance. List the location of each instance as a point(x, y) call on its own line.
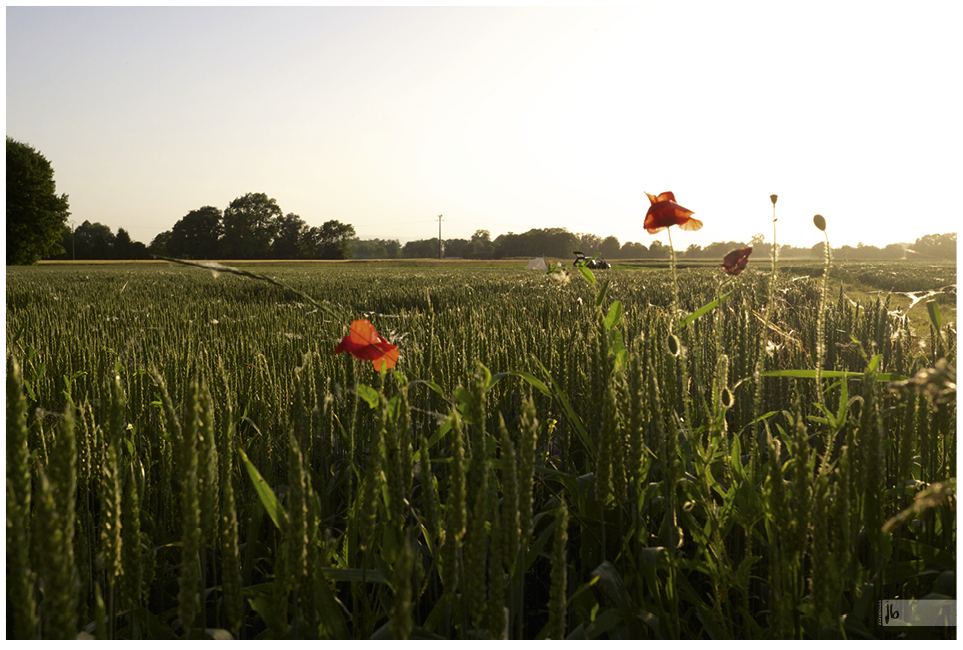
point(665, 212)
point(364, 342)
point(735, 262)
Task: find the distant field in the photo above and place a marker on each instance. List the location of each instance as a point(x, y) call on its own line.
point(548, 458)
point(860, 280)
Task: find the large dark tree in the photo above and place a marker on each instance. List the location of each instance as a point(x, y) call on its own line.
point(35, 213)
point(250, 227)
point(610, 247)
point(123, 245)
point(760, 247)
point(393, 247)
point(481, 245)
point(633, 250)
point(332, 241)
point(94, 241)
point(67, 243)
point(551, 242)
point(421, 248)
point(658, 250)
point(719, 249)
point(693, 251)
point(935, 246)
point(292, 238)
point(127, 249)
point(159, 245)
point(457, 248)
point(893, 252)
point(589, 243)
point(377, 249)
point(195, 236)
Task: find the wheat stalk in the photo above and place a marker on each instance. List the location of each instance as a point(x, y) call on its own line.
point(20, 577)
point(559, 576)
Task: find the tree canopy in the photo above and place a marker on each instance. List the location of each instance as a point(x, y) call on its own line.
point(35, 213)
point(935, 246)
point(195, 236)
point(331, 241)
point(250, 227)
point(292, 237)
point(254, 227)
point(377, 249)
point(95, 241)
point(549, 242)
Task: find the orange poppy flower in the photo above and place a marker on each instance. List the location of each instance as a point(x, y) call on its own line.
point(665, 212)
point(364, 342)
point(735, 262)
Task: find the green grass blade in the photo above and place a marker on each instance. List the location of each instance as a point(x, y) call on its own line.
point(935, 316)
point(614, 315)
point(573, 418)
point(534, 381)
point(586, 273)
point(703, 310)
point(368, 394)
point(264, 492)
point(840, 374)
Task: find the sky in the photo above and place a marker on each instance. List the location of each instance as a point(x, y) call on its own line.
point(503, 119)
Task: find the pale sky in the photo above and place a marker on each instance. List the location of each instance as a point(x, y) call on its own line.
point(503, 119)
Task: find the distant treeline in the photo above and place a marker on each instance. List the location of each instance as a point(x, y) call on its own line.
point(254, 227)
point(559, 243)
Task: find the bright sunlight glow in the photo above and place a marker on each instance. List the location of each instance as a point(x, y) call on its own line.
point(503, 119)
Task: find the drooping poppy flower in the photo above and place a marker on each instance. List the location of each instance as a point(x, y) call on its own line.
point(665, 212)
point(735, 262)
point(364, 342)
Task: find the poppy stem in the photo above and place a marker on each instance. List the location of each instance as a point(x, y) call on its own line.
point(675, 281)
point(821, 322)
point(755, 444)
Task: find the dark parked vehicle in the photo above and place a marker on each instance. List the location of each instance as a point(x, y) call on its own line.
point(596, 263)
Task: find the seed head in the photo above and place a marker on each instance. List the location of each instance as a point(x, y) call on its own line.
point(727, 399)
point(773, 197)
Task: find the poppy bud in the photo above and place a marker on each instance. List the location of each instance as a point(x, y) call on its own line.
point(773, 197)
point(820, 222)
point(735, 262)
point(675, 347)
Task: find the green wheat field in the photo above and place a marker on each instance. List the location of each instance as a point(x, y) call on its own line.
point(550, 458)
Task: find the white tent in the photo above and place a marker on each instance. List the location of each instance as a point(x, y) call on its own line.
point(537, 264)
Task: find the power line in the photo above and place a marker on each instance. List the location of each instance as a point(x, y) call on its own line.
point(485, 223)
point(393, 223)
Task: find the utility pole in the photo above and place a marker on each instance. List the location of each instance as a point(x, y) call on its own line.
point(441, 247)
point(73, 243)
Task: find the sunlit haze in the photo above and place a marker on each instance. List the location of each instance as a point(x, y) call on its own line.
point(502, 119)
